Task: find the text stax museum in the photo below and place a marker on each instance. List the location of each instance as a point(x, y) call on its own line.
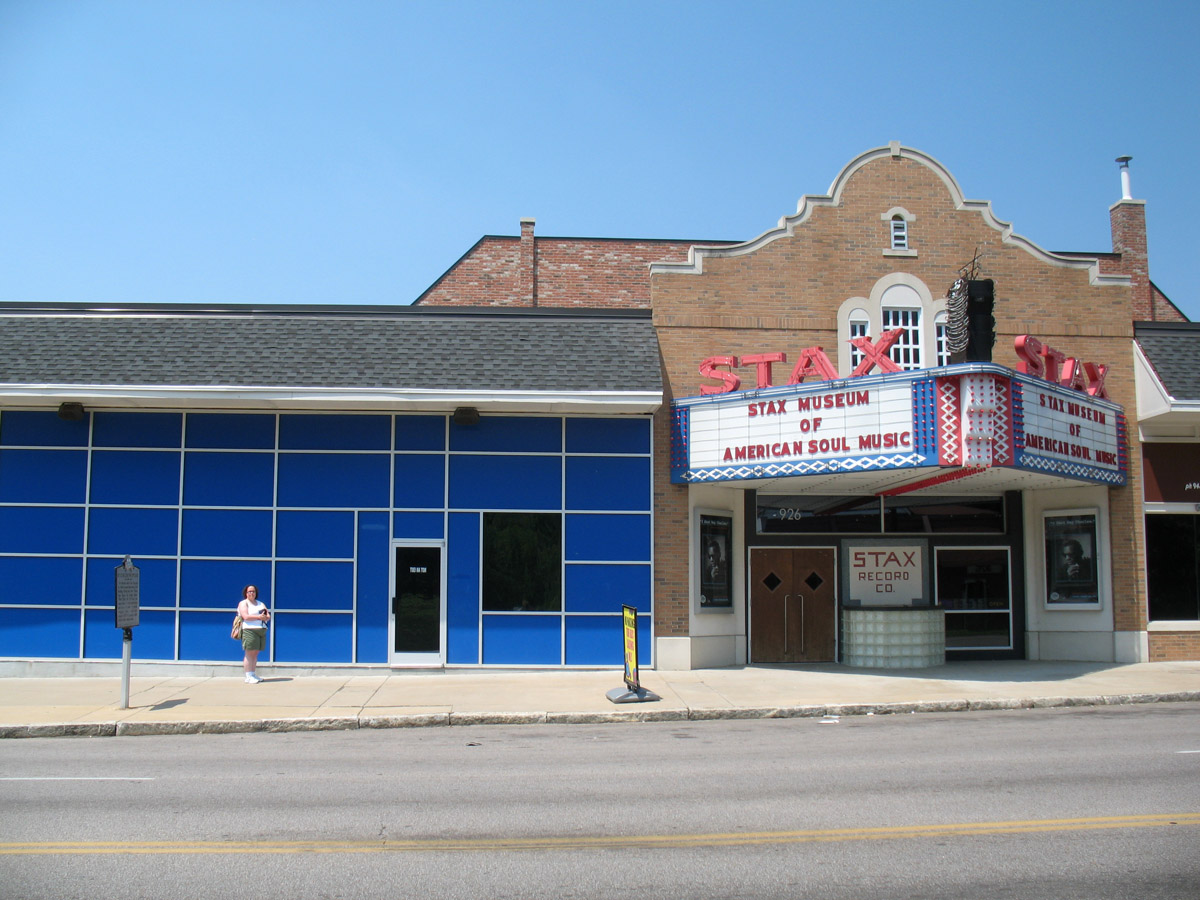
point(887, 431)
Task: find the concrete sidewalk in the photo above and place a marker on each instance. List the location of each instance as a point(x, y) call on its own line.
point(301, 700)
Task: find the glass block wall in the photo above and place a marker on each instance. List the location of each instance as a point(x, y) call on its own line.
point(306, 506)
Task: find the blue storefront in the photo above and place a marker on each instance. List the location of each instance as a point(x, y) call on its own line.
point(529, 529)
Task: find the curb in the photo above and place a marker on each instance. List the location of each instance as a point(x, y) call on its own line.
point(424, 720)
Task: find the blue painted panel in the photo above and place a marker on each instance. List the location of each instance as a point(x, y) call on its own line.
point(218, 583)
point(597, 641)
point(121, 429)
point(506, 482)
point(327, 432)
point(44, 529)
point(204, 637)
point(314, 585)
point(349, 481)
point(36, 633)
point(226, 532)
point(313, 638)
point(315, 535)
point(420, 482)
point(524, 639)
point(462, 589)
point(135, 477)
point(508, 434)
point(608, 482)
point(420, 432)
point(608, 537)
point(417, 525)
point(600, 588)
point(153, 638)
point(608, 435)
point(37, 580)
point(230, 431)
point(229, 479)
point(374, 592)
point(43, 476)
point(156, 582)
point(23, 428)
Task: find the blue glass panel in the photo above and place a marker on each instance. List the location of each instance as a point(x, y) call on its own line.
point(153, 638)
point(608, 482)
point(506, 482)
point(600, 588)
point(229, 479)
point(417, 525)
point(33, 633)
point(120, 429)
point(316, 535)
point(43, 476)
point(608, 537)
point(508, 434)
point(156, 582)
point(597, 641)
point(204, 637)
point(40, 579)
point(374, 592)
point(420, 482)
point(226, 532)
point(230, 431)
point(420, 432)
point(462, 589)
point(135, 477)
point(350, 481)
point(22, 428)
point(218, 583)
point(313, 638)
point(41, 529)
point(608, 435)
point(522, 640)
point(327, 432)
point(314, 585)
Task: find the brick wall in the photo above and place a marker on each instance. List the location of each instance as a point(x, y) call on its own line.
point(1166, 646)
point(553, 272)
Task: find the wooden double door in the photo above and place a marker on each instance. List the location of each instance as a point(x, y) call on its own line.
point(793, 604)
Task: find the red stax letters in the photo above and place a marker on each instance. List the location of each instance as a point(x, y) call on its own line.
point(876, 354)
point(1042, 361)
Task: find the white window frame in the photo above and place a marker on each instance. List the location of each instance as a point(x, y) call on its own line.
point(870, 309)
point(899, 232)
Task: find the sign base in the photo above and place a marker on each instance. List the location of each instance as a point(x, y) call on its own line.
point(625, 694)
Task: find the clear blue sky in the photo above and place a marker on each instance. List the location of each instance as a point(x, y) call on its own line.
point(351, 151)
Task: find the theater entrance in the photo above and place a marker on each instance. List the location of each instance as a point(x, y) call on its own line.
point(793, 604)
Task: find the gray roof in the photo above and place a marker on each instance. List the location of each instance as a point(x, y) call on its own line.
point(1173, 349)
point(422, 348)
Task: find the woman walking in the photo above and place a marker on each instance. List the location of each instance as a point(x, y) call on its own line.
point(255, 616)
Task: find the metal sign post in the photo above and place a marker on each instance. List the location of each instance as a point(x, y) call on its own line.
point(633, 692)
point(128, 611)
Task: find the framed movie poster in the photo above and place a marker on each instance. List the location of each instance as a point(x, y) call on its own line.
point(1072, 560)
point(716, 545)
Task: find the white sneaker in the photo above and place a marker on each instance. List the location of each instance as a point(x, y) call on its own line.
point(251, 678)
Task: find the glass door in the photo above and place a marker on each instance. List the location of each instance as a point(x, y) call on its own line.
point(973, 588)
point(418, 621)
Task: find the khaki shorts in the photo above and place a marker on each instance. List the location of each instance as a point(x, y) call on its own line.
point(254, 638)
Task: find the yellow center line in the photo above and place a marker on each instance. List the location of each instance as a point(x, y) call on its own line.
point(599, 842)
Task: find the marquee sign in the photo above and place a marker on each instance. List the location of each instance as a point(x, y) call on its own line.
point(970, 416)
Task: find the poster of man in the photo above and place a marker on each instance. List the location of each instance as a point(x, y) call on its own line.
point(1071, 559)
point(715, 532)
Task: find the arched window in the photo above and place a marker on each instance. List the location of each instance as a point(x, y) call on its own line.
point(899, 232)
point(898, 301)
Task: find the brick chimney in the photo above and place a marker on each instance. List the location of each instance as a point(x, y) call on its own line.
point(1128, 219)
point(527, 272)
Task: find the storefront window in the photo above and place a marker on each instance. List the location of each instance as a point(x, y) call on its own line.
point(814, 514)
point(1172, 561)
point(944, 515)
point(973, 588)
point(522, 562)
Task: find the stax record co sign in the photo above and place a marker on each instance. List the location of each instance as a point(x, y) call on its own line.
point(1052, 415)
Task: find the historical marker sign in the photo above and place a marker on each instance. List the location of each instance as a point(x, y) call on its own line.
point(128, 594)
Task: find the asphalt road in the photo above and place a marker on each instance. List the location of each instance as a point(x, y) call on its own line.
point(1079, 803)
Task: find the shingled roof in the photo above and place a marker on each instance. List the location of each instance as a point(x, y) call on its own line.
point(1173, 349)
point(402, 349)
